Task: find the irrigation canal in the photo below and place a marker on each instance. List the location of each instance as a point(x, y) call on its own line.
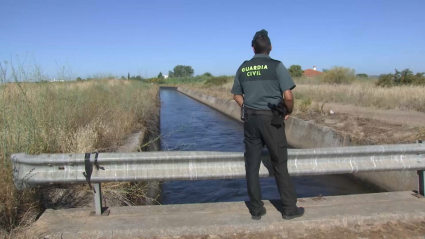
point(189, 125)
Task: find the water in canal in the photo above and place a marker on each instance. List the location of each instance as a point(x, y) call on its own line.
point(189, 125)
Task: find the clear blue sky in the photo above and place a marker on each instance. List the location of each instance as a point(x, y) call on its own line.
point(146, 37)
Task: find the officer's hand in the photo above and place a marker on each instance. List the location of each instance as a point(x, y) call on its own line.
point(286, 117)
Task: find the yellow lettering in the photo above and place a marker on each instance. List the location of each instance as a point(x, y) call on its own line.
point(265, 67)
point(255, 67)
point(250, 68)
point(248, 73)
point(243, 69)
point(259, 73)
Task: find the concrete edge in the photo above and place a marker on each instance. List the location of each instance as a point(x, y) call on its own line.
point(132, 142)
point(269, 224)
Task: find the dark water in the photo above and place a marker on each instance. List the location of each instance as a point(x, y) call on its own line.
point(189, 125)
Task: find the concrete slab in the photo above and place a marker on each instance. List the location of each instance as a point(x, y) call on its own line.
point(229, 218)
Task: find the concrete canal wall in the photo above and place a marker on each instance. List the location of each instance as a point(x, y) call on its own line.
point(305, 134)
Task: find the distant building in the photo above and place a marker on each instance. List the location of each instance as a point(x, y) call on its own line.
point(312, 73)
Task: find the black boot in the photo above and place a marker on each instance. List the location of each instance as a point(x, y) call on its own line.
point(299, 212)
point(257, 216)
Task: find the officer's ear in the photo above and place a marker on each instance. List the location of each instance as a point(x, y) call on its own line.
point(271, 47)
point(253, 49)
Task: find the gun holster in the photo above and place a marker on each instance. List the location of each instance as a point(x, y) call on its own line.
point(279, 112)
point(243, 112)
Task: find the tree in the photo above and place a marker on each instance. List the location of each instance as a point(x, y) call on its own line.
point(207, 74)
point(325, 70)
point(128, 76)
point(295, 71)
point(182, 71)
point(122, 78)
point(79, 79)
point(404, 77)
point(362, 75)
point(170, 74)
point(420, 78)
point(137, 78)
point(407, 77)
point(160, 76)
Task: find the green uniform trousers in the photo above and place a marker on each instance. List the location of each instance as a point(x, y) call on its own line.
point(258, 132)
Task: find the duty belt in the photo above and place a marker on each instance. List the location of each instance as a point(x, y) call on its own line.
point(259, 112)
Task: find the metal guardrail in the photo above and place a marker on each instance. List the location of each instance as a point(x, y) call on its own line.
point(31, 170)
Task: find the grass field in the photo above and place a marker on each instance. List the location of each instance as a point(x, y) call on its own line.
point(359, 93)
point(64, 117)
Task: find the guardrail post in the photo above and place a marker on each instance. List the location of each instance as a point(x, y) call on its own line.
point(421, 190)
point(99, 210)
point(98, 198)
point(421, 174)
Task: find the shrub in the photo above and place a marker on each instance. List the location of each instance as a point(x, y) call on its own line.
point(386, 80)
point(362, 75)
point(419, 79)
point(399, 78)
point(217, 81)
point(156, 80)
point(338, 75)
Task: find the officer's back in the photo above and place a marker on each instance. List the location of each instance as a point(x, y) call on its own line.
point(259, 87)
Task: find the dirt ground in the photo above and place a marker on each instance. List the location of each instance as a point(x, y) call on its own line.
point(387, 231)
point(380, 127)
point(413, 118)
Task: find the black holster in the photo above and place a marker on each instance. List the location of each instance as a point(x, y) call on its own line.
point(243, 112)
point(279, 112)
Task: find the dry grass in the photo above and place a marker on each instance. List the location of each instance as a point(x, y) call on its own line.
point(360, 93)
point(63, 117)
point(366, 95)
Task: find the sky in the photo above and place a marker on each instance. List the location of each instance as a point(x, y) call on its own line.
point(147, 37)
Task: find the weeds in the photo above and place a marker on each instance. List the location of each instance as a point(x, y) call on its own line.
point(217, 81)
point(303, 105)
point(61, 117)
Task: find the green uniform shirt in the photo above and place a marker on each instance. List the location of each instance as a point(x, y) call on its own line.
point(262, 80)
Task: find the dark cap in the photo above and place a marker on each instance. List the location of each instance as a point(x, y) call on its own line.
point(259, 33)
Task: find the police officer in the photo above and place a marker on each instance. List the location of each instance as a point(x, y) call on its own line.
point(262, 87)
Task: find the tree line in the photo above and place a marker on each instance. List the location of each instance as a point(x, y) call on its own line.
point(400, 78)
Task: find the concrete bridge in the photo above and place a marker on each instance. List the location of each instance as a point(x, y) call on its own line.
point(336, 216)
point(220, 219)
point(394, 169)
